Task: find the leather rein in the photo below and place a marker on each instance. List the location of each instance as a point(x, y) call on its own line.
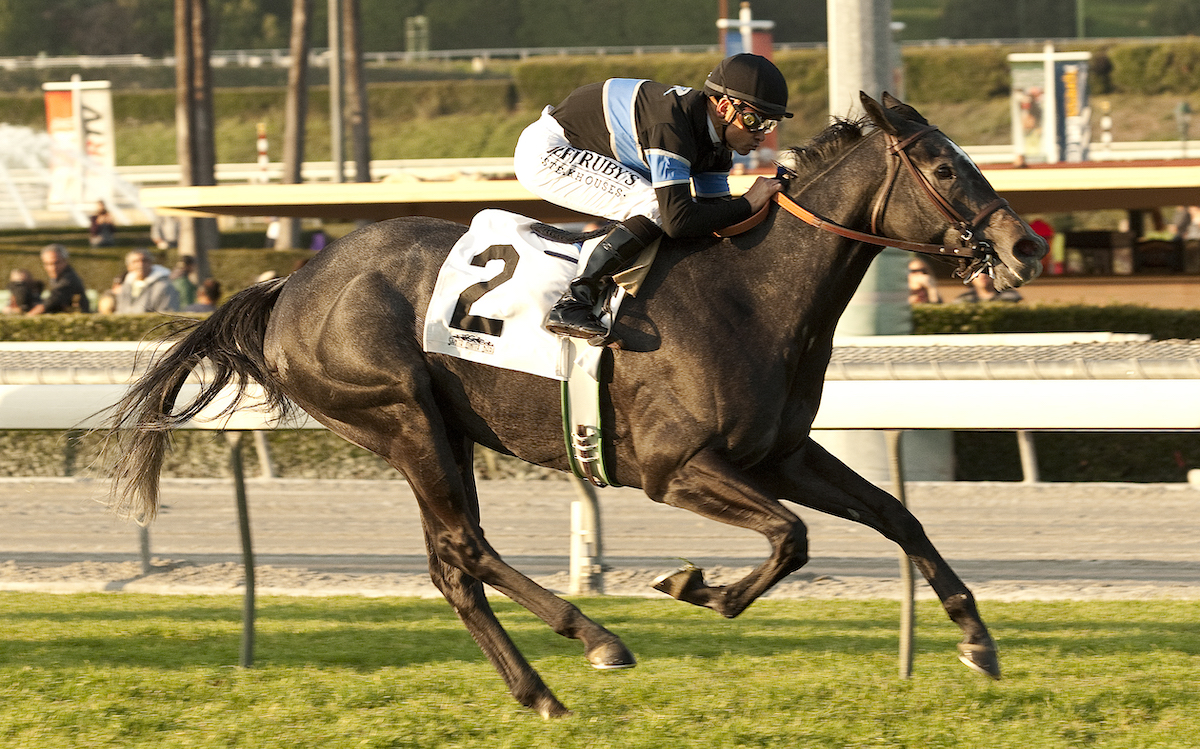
point(980, 251)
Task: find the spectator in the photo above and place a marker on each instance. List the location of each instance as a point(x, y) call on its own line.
point(273, 230)
point(1046, 232)
point(181, 279)
point(67, 293)
point(319, 240)
point(164, 232)
point(208, 295)
point(1187, 222)
point(922, 286)
point(106, 304)
point(100, 231)
point(984, 290)
point(147, 287)
point(24, 292)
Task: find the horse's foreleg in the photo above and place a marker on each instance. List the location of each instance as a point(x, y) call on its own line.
point(816, 479)
point(709, 486)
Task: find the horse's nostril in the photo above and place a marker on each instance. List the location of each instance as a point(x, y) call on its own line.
point(1028, 248)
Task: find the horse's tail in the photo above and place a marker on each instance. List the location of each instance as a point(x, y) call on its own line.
point(137, 431)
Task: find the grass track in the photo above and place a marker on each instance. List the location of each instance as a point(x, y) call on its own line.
point(132, 671)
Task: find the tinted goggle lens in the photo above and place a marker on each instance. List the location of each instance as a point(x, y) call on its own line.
point(755, 122)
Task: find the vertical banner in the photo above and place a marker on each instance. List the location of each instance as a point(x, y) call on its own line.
point(1051, 117)
point(1074, 111)
point(79, 119)
point(1028, 112)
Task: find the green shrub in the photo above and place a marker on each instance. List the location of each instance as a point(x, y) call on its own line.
point(956, 74)
point(548, 80)
point(1139, 457)
point(1156, 68)
point(1046, 318)
point(78, 327)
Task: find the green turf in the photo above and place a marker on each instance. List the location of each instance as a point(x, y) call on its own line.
point(134, 671)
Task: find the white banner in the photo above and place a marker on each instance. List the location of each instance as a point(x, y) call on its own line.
point(79, 118)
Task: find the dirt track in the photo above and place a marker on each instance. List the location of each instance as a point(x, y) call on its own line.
point(1008, 541)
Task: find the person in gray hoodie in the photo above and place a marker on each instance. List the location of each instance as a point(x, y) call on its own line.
point(147, 287)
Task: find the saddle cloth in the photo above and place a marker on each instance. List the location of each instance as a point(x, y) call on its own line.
point(493, 293)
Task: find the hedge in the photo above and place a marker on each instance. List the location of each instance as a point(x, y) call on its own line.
point(548, 80)
point(81, 327)
point(1161, 324)
point(1162, 68)
point(949, 74)
point(956, 74)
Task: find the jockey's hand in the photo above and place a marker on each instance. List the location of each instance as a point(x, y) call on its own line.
point(761, 191)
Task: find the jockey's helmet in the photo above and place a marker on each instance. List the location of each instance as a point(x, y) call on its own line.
point(752, 79)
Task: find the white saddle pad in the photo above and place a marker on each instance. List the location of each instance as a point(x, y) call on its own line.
point(493, 293)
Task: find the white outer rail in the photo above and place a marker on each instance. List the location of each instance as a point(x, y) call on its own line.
point(890, 405)
point(1060, 405)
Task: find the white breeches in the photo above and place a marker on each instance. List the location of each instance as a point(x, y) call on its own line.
point(551, 168)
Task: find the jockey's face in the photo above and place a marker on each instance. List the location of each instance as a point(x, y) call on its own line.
point(737, 136)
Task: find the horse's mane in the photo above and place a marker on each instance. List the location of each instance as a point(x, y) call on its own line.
point(841, 134)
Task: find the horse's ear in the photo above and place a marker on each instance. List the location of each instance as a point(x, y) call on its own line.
point(900, 107)
point(882, 118)
point(893, 118)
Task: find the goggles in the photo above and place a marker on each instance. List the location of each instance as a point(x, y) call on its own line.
point(753, 121)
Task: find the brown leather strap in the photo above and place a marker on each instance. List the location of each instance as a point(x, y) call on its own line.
point(833, 227)
point(898, 148)
point(742, 227)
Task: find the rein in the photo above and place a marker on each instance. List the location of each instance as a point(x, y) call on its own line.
point(980, 251)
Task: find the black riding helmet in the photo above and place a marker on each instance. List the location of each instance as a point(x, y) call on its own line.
point(752, 79)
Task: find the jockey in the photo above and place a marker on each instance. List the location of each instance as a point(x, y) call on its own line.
point(633, 150)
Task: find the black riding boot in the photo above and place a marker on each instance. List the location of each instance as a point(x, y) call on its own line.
point(573, 315)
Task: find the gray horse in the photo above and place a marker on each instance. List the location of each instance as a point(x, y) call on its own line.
point(711, 396)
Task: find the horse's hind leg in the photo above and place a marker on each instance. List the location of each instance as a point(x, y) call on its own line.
point(415, 440)
point(816, 479)
point(466, 595)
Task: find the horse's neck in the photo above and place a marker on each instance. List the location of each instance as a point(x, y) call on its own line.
point(829, 268)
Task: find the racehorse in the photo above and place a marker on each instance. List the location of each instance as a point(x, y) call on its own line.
point(711, 395)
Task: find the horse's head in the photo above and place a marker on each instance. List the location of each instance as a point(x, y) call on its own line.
point(949, 202)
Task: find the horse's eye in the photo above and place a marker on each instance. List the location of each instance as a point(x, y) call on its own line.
point(944, 172)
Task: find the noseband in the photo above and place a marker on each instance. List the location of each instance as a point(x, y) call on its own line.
point(975, 255)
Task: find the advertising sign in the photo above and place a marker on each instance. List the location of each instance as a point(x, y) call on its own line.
point(79, 119)
point(1029, 112)
point(1051, 115)
point(1074, 111)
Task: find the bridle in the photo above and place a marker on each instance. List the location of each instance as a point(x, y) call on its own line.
point(975, 255)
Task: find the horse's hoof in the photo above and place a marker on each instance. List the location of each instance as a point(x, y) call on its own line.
point(611, 656)
point(681, 582)
point(980, 658)
point(549, 707)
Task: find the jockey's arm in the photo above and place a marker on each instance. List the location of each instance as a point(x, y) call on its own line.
point(685, 216)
